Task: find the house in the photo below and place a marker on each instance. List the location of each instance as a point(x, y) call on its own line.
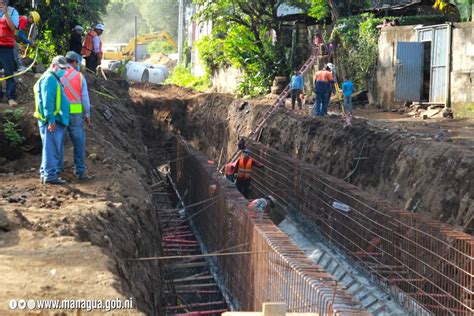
point(428, 64)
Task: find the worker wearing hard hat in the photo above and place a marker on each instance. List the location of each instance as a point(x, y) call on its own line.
point(32, 18)
point(9, 19)
point(75, 41)
point(262, 205)
point(92, 49)
point(75, 87)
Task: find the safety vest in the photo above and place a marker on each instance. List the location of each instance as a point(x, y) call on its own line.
point(229, 169)
point(88, 46)
point(7, 35)
point(324, 76)
point(72, 82)
point(36, 90)
point(245, 170)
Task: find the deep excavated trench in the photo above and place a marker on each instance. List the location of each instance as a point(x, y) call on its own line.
point(211, 123)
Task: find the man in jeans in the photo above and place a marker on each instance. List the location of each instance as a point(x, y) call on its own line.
point(9, 20)
point(348, 89)
point(75, 87)
point(323, 86)
point(297, 86)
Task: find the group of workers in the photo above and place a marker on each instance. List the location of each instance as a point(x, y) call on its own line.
point(324, 86)
point(240, 173)
point(62, 104)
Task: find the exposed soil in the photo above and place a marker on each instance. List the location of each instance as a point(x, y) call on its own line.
point(48, 234)
point(423, 166)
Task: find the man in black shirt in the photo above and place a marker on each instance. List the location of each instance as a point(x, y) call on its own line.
point(75, 41)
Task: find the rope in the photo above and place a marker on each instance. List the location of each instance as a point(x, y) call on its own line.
point(24, 71)
point(103, 94)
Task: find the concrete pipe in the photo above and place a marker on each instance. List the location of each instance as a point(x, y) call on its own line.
point(156, 75)
point(137, 72)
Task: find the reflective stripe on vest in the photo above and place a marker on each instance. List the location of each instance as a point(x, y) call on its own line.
point(57, 111)
point(72, 82)
point(7, 35)
point(245, 171)
point(88, 46)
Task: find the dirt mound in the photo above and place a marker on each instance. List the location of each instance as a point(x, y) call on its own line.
point(42, 223)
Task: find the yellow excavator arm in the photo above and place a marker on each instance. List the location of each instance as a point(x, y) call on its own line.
point(128, 51)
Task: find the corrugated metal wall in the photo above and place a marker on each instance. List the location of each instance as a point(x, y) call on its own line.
point(409, 71)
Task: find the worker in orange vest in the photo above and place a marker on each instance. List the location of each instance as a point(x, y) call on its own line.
point(229, 171)
point(243, 169)
point(92, 48)
point(75, 87)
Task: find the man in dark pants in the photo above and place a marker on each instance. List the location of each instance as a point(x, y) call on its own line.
point(9, 20)
point(297, 86)
point(243, 169)
point(92, 49)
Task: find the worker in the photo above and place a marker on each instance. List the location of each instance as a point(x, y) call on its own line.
point(52, 112)
point(9, 20)
point(241, 144)
point(92, 49)
point(33, 18)
point(243, 169)
point(229, 171)
point(323, 86)
point(262, 205)
point(297, 86)
point(75, 87)
point(75, 41)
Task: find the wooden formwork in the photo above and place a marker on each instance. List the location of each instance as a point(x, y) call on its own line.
point(274, 269)
point(423, 261)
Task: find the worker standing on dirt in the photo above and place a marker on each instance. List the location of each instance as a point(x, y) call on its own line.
point(75, 41)
point(323, 86)
point(262, 205)
point(32, 18)
point(243, 169)
point(9, 19)
point(92, 49)
point(75, 87)
point(297, 86)
point(52, 112)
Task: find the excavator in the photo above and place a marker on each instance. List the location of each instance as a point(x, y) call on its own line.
point(125, 52)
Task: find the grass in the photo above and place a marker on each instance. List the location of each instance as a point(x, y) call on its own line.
point(182, 76)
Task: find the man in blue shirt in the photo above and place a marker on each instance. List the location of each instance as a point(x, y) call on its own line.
point(9, 19)
point(347, 90)
point(297, 86)
point(52, 109)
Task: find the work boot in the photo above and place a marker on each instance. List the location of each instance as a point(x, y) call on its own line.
point(12, 102)
point(85, 178)
point(55, 182)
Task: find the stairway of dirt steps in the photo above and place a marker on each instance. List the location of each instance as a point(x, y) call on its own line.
point(190, 288)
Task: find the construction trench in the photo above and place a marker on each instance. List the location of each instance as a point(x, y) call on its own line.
point(191, 247)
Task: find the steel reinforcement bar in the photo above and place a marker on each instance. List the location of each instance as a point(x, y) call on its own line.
point(422, 261)
point(274, 268)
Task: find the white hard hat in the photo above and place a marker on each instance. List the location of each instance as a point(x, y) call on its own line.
point(272, 199)
point(100, 26)
point(78, 28)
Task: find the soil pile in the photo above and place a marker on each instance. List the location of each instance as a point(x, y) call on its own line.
point(45, 231)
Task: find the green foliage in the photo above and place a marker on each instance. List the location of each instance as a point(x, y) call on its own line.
point(357, 48)
point(464, 7)
point(160, 47)
point(319, 9)
point(11, 128)
point(182, 76)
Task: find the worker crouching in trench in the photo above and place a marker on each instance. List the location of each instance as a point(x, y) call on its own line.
point(262, 205)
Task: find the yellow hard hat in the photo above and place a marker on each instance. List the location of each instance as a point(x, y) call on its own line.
point(36, 17)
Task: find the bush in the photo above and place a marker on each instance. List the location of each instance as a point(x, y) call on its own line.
point(11, 128)
point(182, 76)
point(160, 47)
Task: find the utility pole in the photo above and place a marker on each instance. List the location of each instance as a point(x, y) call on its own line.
point(180, 31)
point(136, 38)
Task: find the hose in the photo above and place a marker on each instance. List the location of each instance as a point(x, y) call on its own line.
point(24, 71)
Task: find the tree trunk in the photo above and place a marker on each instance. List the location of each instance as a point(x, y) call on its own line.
point(340, 8)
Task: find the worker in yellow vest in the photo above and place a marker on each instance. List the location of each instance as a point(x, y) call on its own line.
point(52, 112)
point(75, 87)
